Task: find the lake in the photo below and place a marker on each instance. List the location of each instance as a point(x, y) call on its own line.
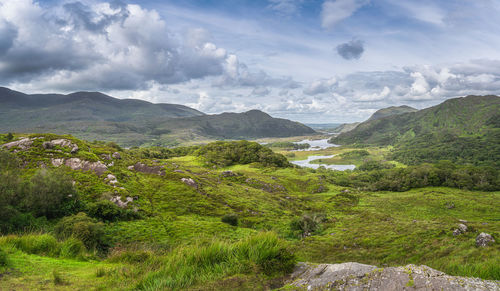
point(316, 145)
point(307, 163)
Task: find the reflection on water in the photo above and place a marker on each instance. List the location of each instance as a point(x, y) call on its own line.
point(316, 145)
point(307, 164)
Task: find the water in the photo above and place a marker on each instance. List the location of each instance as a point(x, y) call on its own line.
point(307, 163)
point(316, 145)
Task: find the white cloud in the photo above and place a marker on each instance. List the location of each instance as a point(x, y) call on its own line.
point(334, 11)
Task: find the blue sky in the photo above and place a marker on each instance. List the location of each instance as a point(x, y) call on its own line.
point(307, 60)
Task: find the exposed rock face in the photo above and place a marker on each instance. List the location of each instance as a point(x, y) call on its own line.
point(355, 276)
point(271, 188)
point(61, 142)
point(189, 182)
point(111, 179)
point(143, 168)
point(76, 164)
point(484, 239)
point(23, 144)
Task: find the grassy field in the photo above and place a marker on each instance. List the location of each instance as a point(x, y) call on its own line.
point(282, 215)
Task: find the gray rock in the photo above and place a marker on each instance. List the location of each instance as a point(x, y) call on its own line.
point(22, 144)
point(355, 276)
point(228, 174)
point(457, 232)
point(189, 182)
point(484, 239)
point(462, 227)
point(116, 155)
point(76, 164)
point(74, 149)
point(117, 200)
point(47, 145)
point(143, 168)
point(463, 221)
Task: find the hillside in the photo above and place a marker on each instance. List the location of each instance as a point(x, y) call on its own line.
point(464, 130)
point(389, 111)
point(130, 122)
point(225, 216)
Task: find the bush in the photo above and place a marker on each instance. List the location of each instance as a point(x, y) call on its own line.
point(231, 219)
point(51, 194)
point(106, 210)
point(72, 248)
point(307, 224)
point(225, 154)
point(84, 228)
point(4, 259)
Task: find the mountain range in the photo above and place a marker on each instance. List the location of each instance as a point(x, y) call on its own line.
point(465, 129)
point(132, 122)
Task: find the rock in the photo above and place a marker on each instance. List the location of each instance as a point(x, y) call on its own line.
point(189, 182)
point(106, 157)
point(111, 179)
point(130, 167)
point(117, 200)
point(462, 221)
point(76, 164)
point(484, 239)
point(355, 276)
point(457, 232)
point(116, 155)
point(47, 145)
point(143, 168)
point(74, 149)
point(450, 205)
point(462, 227)
point(345, 191)
point(22, 144)
point(228, 174)
point(178, 171)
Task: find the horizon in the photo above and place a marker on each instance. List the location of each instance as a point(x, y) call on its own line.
point(306, 60)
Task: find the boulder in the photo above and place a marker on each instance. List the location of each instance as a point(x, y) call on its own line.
point(143, 168)
point(355, 276)
point(116, 155)
point(189, 182)
point(228, 173)
point(462, 227)
point(117, 200)
point(484, 240)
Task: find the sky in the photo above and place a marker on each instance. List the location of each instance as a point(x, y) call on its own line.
point(313, 61)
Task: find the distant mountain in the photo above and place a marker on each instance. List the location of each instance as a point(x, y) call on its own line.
point(393, 110)
point(346, 127)
point(131, 122)
point(465, 129)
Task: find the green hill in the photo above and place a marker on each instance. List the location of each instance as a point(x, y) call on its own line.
point(393, 110)
point(130, 122)
point(464, 130)
point(224, 216)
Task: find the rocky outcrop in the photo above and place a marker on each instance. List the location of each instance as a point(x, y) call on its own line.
point(484, 240)
point(76, 164)
point(23, 144)
point(62, 143)
point(355, 276)
point(116, 155)
point(271, 188)
point(143, 168)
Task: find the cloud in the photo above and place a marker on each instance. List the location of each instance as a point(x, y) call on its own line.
point(334, 11)
point(320, 86)
point(351, 50)
point(100, 46)
point(285, 7)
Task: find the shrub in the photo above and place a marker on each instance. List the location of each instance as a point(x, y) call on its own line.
point(4, 259)
point(51, 194)
point(106, 210)
point(307, 224)
point(72, 248)
point(84, 228)
point(231, 219)
point(224, 154)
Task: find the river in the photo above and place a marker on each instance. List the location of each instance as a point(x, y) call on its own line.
point(307, 163)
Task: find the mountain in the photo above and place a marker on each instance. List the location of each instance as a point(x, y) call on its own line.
point(131, 122)
point(464, 130)
point(393, 110)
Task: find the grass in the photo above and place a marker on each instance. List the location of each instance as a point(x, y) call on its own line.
point(181, 241)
